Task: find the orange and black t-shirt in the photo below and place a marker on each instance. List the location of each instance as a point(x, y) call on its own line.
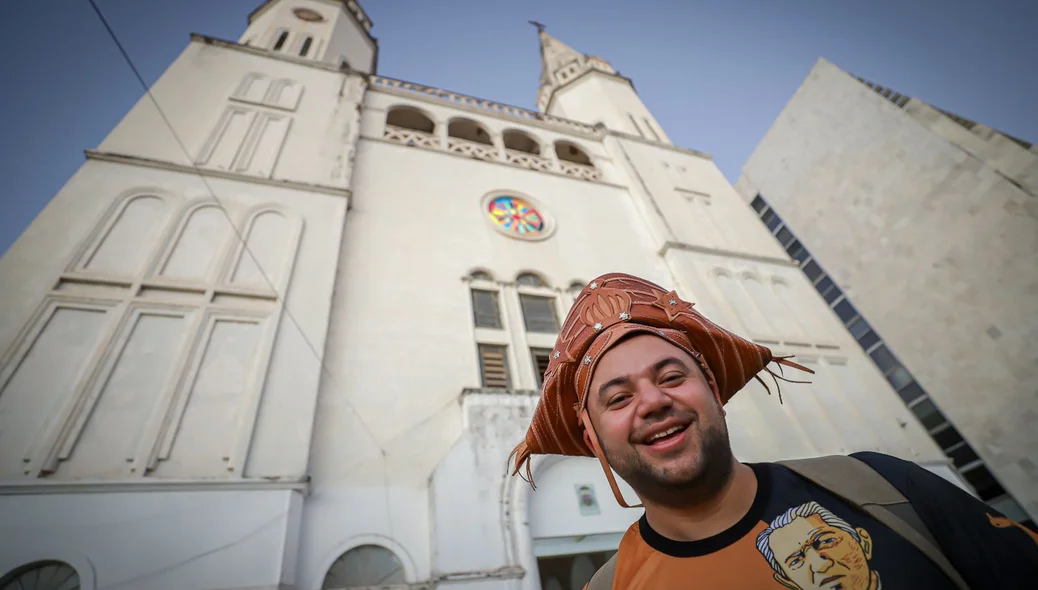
point(798, 536)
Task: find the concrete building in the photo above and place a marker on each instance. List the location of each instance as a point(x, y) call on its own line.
point(920, 229)
point(285, 323)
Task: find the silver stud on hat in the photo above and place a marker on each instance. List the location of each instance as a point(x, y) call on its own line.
point(587, 360)
point(673, 302)
point(557, 354)
point(624, 316)
point(593, 285)
point(598, 327)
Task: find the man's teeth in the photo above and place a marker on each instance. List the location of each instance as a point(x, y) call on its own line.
point(665, 433)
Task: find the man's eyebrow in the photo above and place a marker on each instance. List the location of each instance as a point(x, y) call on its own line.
point(625, 379)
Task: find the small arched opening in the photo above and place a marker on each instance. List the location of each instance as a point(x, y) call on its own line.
point(41, 575)
point(282, 38)
point(521, 142)
point(365, 566)
point(468, 130)
point(569, 152)
point(410, 118)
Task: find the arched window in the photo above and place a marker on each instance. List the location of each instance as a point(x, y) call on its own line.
point(538, 310)
point(521, 142)
point(282, 38)
point(481, 275)
point(410, 118)
point(529, 279)
point(365, 566)
point(469, 130)
point(569, 152)
point(575, 288)
point(305, 49)
point(41, 575)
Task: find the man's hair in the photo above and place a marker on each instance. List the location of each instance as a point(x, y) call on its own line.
point(802, 511)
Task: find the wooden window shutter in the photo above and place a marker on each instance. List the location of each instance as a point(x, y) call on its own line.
point(493, 366)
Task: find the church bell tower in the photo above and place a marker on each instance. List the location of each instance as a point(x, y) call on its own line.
point(587, 88)
point(337, 33)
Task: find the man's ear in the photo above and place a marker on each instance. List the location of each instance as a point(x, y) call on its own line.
point(786, 582)
point(866, 542)
point(587, 438)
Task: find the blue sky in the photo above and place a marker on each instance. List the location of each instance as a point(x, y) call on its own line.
point(715, 73)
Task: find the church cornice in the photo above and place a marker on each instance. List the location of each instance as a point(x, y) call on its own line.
point(261, 52)
point(673, 245)
point(208, 172)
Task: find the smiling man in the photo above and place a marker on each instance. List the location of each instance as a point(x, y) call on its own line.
point(639, 379)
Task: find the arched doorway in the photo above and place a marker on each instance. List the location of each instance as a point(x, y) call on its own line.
point(365, 566)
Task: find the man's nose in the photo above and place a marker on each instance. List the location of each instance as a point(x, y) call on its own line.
point(652, 399)
point(818, 562)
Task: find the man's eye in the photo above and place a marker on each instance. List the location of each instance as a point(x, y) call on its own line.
point(673, 378)
point(617, 399)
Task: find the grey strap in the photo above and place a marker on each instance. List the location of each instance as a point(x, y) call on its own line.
point(857, 483)
point(603, 578)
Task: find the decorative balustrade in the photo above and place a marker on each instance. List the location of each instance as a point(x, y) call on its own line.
point(489, 153)
point(488, 105)
point(472, 149)
point(581, 171)
point(411, 137)
point(527, 160)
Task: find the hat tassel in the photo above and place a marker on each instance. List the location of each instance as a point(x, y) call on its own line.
point(522, 453)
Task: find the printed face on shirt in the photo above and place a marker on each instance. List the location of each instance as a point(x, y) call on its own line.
point(659, 423)
point(813, 553)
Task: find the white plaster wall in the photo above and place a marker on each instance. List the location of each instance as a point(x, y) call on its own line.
point(726, 224)
point(894, 204)
point(159, 540)
point(401, 343)
point(195, 91)
point(31, 267)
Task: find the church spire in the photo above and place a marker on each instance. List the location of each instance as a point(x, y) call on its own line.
point(561, 64)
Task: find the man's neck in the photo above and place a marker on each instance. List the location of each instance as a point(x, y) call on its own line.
point(708, 518)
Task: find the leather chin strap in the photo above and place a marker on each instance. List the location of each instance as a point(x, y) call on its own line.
point(596, 448)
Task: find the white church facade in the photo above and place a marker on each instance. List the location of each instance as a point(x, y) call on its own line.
point(283, 326)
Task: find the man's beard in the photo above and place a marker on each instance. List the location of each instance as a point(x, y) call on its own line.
point(695, 478)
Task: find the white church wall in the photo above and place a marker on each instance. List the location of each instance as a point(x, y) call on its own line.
point(600, 98)
point(193, 389)
point(159, 540)
point(241, 111)
point(402, 344)
point(698, 204)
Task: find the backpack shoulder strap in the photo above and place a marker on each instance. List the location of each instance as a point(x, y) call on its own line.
point(603, 578)
point(860, 485)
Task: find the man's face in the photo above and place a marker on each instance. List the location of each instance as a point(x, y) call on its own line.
point(658, 421)
point(814, 554)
